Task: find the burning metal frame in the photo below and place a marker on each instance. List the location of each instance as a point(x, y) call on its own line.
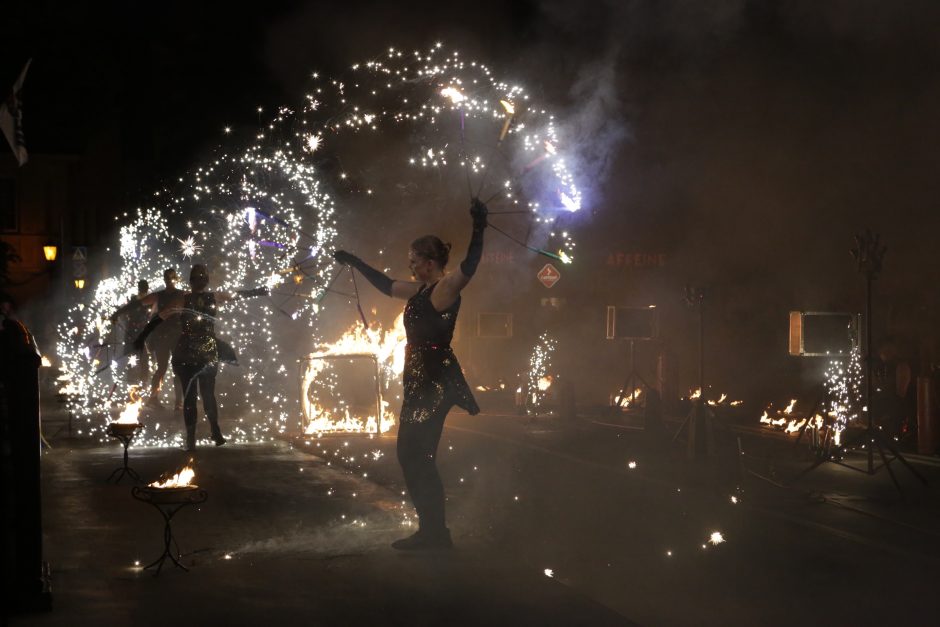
point(313, 420)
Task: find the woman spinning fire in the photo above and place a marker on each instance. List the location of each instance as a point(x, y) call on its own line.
point(433, 381)
point(198, 352)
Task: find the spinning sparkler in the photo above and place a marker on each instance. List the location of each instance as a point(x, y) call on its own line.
point(265, 212)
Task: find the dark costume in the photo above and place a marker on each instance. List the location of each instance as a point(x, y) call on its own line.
point(162, 342)
point(433, 382)
point(138, 315)
point(196, 362)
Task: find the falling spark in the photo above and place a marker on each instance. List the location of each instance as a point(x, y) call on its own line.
point(716, 538)
point(549, 572)
point(632, 465)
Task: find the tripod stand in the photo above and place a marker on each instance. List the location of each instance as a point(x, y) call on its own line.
point(869, 255)
point(633, 378)
point(699, 421)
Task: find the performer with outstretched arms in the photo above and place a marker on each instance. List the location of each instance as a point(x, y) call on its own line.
point(196, 355)
point(433, 380)
point(162, 342)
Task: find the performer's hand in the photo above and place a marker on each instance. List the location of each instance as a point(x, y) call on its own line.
point(478, 212)
point(347, 259)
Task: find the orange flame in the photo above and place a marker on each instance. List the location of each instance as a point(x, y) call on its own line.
point(182, 479)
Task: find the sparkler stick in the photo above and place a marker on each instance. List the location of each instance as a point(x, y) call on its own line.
point(510, 112)
point(538, 251)
point(362, 315)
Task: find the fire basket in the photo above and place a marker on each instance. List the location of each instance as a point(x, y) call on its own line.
point(168, 498)
point(124, 432)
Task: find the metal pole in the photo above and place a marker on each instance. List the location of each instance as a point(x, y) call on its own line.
point(868, 366)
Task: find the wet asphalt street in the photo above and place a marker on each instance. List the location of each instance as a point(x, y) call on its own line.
point(556, 522)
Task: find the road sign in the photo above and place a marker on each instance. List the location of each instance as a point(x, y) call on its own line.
point(80, 254)
point(548, 275)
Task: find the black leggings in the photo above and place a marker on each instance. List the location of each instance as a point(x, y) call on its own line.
point(161, 353)
point(192, 376)
point(417, 450)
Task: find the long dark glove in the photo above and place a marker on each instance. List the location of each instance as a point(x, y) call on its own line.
point(475, 251)
point(379, 281)
point(258, 291)
point(140, 339)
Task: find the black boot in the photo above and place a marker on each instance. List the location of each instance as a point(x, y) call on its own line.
point(217, 435)
point(425, 540)
point(190, 444)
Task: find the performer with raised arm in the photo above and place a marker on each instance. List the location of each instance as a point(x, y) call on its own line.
point(433, 381)
point(162, 342)
point(198, 352)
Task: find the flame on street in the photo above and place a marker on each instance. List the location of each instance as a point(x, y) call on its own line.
point(388, 350)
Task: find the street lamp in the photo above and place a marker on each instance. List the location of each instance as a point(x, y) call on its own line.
point(80, 284)
point(50, 251)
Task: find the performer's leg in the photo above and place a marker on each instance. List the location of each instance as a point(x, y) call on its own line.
point(207, 392)
point(144, 363)
point(417, 453)
point(162, 355)
point(187, 375)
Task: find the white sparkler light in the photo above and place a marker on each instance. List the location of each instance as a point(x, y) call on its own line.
point(263, 212)
point(453, 94)
point(716, 538)
point(188, 247)
point(313, 142)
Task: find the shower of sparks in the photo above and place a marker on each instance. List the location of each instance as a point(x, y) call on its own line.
point(844, 386)
point(264, 213)
point(716, 538)
point(539, 377)
point(188, 247)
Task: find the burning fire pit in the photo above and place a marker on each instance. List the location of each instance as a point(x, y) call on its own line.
point(168, 497)
point(124, 429)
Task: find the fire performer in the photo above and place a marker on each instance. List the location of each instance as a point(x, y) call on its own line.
point(138, 314)
point(433, 380)
point(198, 352)
point(163, 341)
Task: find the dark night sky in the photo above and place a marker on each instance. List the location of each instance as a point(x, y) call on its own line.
point(748, 140)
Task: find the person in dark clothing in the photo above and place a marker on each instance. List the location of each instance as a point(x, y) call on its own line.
point(164, 339)
point(137, 314)
point(196, 355)
point(433, 381)
point(896, 388)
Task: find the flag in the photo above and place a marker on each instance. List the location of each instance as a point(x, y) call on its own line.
point(11, 119)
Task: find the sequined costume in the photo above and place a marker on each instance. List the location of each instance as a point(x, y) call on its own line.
point(197, 344)
point(432, 377)
point(195, 361)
